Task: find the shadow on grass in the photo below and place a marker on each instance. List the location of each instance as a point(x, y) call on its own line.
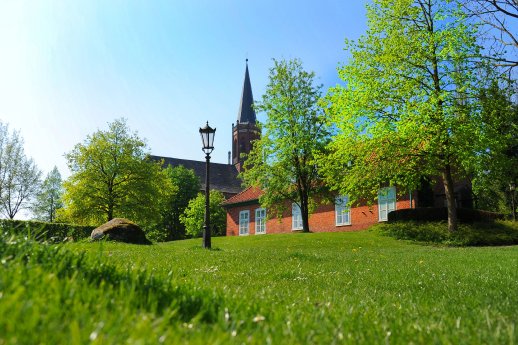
point(213, 249)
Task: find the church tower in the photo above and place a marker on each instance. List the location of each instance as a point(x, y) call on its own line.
point(245, 130)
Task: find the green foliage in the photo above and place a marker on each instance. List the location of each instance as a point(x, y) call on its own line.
point(48, 199)
point(19, 176)
point(44, 231)
point(496, 173)
point(407, 109)
point(498, 233)
point(112, 176)
point(187, 186)
point(194, 215)
point(333, 288)
point(282, 163)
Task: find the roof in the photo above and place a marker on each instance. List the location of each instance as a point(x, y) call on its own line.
point(223, 177)
point(249, 195)
point(246, 112)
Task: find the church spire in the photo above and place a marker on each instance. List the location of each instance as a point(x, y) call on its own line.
point(245, 131)
point(246, 113)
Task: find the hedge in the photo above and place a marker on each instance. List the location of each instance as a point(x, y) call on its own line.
point(436, 214)
point(498, 233)
point(43, 231)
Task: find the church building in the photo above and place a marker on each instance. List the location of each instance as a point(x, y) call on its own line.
point(224, 177)
point(245, 216)
point(245, 130)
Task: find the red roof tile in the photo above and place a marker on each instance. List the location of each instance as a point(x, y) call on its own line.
point(249, 194)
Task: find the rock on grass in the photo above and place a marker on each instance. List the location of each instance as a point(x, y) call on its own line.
point(120, 229)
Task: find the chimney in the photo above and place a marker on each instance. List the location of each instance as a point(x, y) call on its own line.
point(228, 157)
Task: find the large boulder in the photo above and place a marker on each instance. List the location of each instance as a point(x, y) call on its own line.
point(120, 229)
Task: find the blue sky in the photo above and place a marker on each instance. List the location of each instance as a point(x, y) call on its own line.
point(67, 68)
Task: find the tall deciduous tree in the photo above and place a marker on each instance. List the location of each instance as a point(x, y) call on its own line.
point(112, 176)
point(187, 187)
point(49, 198)
point(501, 20)
point(282, 163)
point(19, 176)
point(407, 109)
point(194, 215)
point(496, 176)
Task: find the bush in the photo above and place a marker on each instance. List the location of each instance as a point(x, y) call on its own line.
point(43, 231)
point(194, 215)
point(157, 234)
point(497, 233)
point(435, 214)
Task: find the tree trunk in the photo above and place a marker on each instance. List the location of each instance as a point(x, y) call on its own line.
point(110, 213)
point(513, 205)
point(51, 213)
point(304, 211)
point(450, 199)
point(111, 202)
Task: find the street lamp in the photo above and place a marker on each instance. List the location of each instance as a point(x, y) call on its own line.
point(207, 138)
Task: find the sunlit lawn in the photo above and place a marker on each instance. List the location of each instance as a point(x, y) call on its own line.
point(341, 287)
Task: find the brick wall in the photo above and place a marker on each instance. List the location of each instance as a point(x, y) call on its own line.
point(322, 220)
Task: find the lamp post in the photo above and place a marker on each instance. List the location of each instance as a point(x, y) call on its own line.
point(207, 138)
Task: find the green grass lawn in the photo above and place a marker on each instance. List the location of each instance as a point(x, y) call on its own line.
point(281, 289)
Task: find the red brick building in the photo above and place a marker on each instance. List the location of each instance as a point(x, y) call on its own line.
point(244, 213)
point(245, 216)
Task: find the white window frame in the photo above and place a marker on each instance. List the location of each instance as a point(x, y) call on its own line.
point(386, 202)
point(260, 221)
point(296, 217)
point(244, 222)
point(342, 211)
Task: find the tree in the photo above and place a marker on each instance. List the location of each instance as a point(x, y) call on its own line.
point(282, 163)
point(112, 176)
point(194, 215)
point(187, 187)
point(48, 199)
point(408, 108)
point(496, 176)
point(501, 19)
point(19, 176)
